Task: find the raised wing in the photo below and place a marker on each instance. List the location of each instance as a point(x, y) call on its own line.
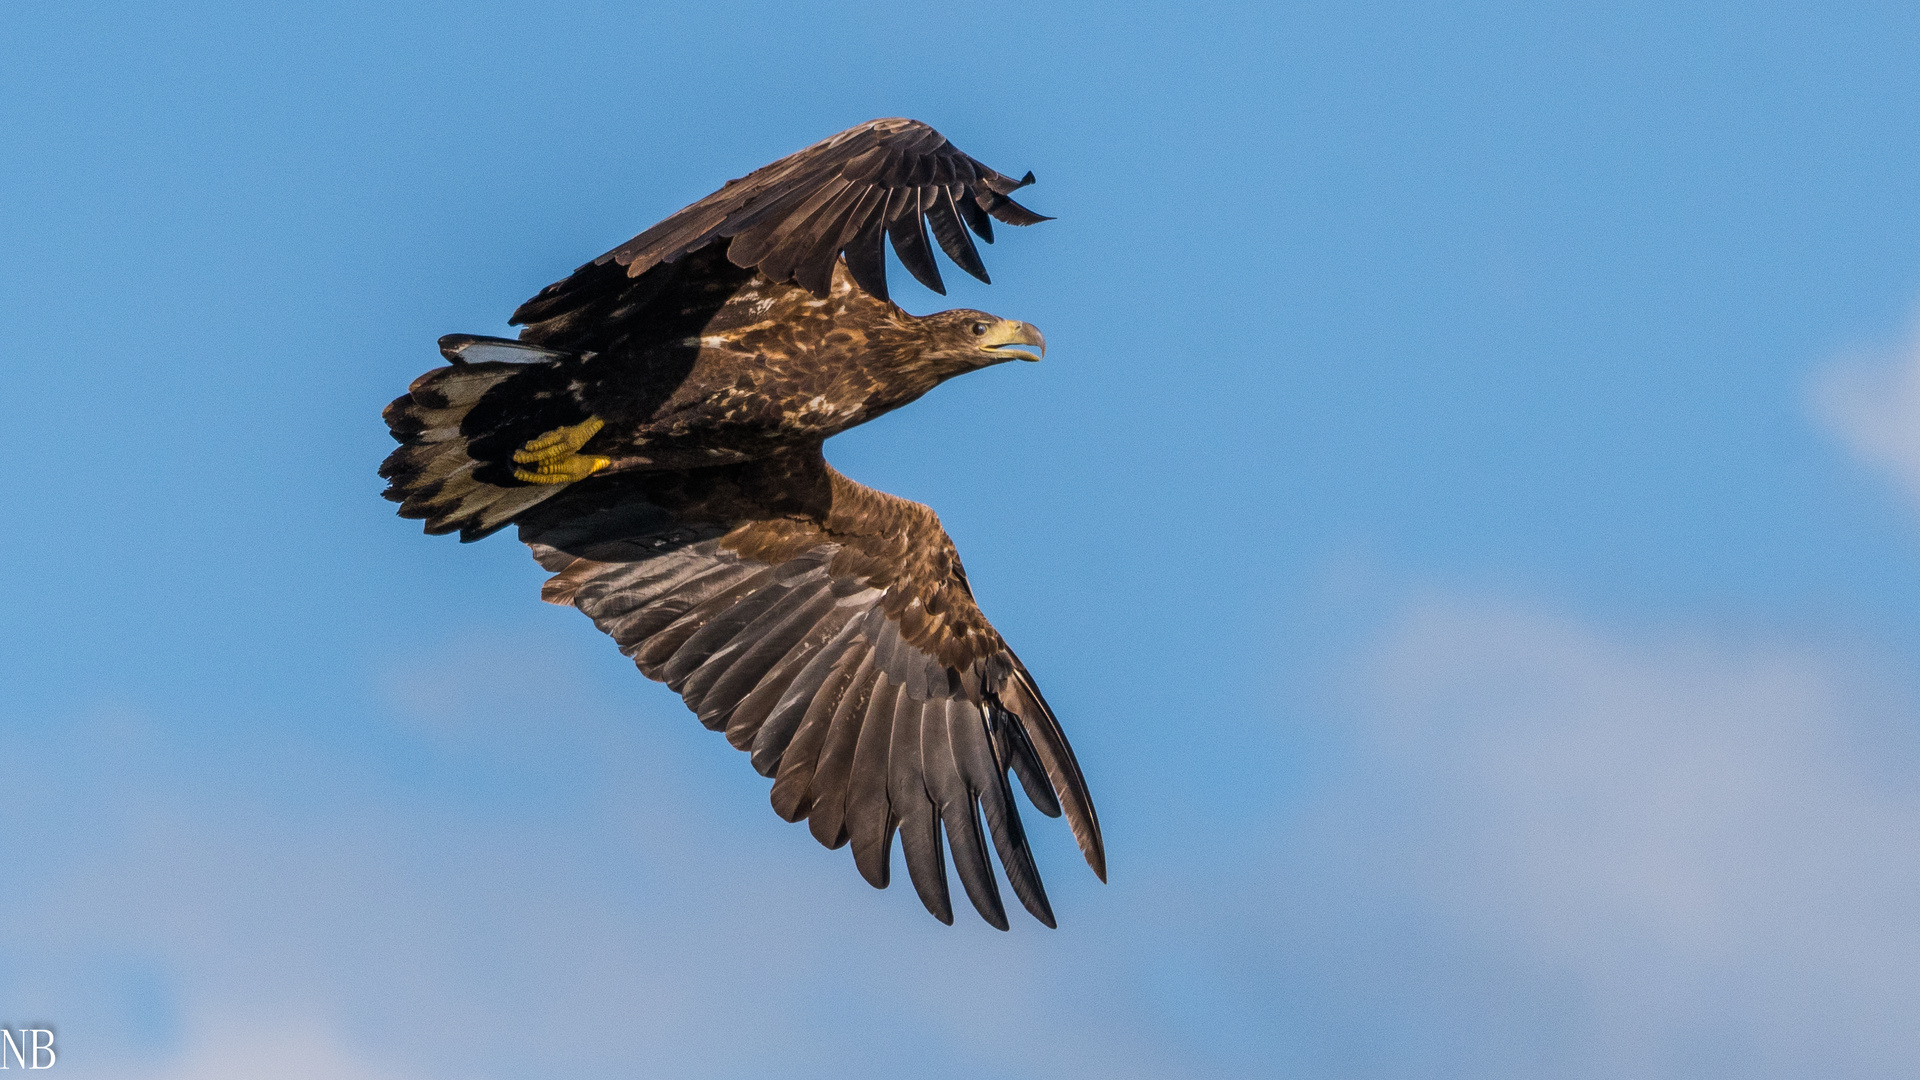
point(793, 218)
point(828, 629)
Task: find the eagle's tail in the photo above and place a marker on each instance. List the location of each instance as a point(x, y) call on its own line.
point(447, 468)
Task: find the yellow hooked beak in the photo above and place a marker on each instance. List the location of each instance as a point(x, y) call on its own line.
point(1005, 337)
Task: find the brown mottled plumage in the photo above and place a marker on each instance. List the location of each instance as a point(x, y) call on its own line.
point(656, 434)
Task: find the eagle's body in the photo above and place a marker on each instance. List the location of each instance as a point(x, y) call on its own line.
point(656, 435)
point(772, 367)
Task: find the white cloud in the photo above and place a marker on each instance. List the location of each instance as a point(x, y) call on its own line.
point(308, 916)
point(1872, 402)
point(232, 1047)
point(1546, 850)
point(1635, 858)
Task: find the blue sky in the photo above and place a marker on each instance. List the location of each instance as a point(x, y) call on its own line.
point(1468, 521)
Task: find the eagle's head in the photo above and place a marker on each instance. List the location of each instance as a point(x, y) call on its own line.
point(964, 339)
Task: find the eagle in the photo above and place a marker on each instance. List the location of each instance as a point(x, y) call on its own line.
point(655, 434)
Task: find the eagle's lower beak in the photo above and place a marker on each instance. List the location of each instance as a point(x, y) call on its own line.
point(1007, 337)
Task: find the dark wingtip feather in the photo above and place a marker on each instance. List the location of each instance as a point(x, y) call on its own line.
point(925, 852)
point(1019, 753)
point(969, 206)
point(909, 235)
point(1015, 214)
point(867, 259)
point(944, 216)
point(1063, 771)
point(946, 754)
point(875, 860)
point(1003, 184)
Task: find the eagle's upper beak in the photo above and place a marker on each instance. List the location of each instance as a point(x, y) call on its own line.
point(1006, 337)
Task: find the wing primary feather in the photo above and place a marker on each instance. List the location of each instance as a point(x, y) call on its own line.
point(1016, 858)
point(944, 216)
point(908, 231)
point(1050, 744)
point(869, 821)
point(1002, 184)
point(976, 218)
point(910, 801)
point(1009, 211)
point(1017, 750)
point(986, 776)
point(958, 809)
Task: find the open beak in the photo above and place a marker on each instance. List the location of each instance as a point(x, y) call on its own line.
point(1015, 340)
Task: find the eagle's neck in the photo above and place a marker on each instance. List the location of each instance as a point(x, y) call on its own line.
point(900, 365)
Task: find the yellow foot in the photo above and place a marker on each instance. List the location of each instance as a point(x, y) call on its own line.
point(554, 458)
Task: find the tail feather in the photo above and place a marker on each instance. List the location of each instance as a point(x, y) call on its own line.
point(438, 473)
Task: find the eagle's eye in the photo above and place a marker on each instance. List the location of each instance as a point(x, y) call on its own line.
point(979, 329)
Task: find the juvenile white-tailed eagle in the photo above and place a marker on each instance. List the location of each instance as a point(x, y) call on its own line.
point(655, 433)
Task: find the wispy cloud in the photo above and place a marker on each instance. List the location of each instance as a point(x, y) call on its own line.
point(238, 1047)
point(1871, 400)
point(1546, 850)
point(1618, 855)
point(613, 919)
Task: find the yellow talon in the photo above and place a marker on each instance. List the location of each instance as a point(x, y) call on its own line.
point(560, 442)
point(555, 456)
point(564, 471)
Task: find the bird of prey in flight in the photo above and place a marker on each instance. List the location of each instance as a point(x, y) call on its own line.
point(655, 434)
